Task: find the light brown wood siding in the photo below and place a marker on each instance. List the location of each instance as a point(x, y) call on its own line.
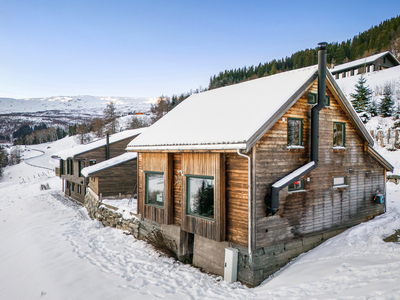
point(206, 164)
point(236, 170)
point(321, 207)
point(156, 162)
point(178, 182)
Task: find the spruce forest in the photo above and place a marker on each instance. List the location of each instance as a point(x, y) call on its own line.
point(383, 37)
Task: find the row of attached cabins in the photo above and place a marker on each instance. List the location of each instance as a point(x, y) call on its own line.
point(270, 168)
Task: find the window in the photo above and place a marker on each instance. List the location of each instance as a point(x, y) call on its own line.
point(92, 162)
point(81, 166)
point(70, 167)
point(200, 196)
point(312, 99)
point(337, 181)
point(79, 189)
point(154, 194)
point(297, 185)
point(295, 132)
point(62, 170)
point(339, 134)
point(73, 187)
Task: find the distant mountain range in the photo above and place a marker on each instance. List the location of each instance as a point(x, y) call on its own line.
point(62, 111)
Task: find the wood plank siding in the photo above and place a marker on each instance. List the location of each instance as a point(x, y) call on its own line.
point(320, 207)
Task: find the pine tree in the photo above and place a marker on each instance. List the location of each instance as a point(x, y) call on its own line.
point(373, 109)
point(362, 98)
point(387, 102)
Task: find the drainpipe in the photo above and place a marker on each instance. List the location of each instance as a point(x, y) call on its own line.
point(107, 146)
point(272, 199)
point(249, 203)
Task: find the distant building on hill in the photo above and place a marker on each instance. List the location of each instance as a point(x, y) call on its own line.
point(372, 63)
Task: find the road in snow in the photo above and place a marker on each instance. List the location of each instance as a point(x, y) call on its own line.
point(50, 249)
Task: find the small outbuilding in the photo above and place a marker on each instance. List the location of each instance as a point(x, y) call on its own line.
point(115, 177)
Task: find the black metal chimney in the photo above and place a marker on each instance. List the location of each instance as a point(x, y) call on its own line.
point(321, 102)
point(108, 146)
point(272, 199)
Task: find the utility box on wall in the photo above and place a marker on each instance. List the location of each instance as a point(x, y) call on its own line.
point(231, 264)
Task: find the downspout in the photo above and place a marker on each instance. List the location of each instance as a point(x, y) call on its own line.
point(272, 199)
point(107, 146)
point(249, 203)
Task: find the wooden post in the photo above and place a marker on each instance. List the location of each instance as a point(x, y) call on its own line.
point(380, 138)
point(388, 137)
point(396, 139)
point(101, 197)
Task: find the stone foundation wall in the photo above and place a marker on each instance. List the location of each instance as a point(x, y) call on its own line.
point(207, 254)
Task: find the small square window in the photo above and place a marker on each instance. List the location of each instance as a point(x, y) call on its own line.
point(294, 132)
point(339, 134)
point(340, 181)
point(200, 196)
point(297, 185)
point(312, 99)
point(154, 193)
point(92, 162)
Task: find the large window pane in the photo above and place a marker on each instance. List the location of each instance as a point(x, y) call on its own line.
point(155, 188)
point(294, 132)
point(200, 196)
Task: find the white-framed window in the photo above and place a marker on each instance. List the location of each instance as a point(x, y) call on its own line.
point(297, 185)
point(200, 196)
point(340, 181)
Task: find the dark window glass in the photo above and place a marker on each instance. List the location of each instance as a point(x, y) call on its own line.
point(295, 132)
point(200, 196)
point(339, 134)
point(155, 188)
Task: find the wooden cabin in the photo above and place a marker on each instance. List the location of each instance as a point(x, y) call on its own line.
point(73, 160)
point(377, 62)
point(115, 178)
point(208, 169)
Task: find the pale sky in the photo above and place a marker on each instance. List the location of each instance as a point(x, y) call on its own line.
point(149, 48)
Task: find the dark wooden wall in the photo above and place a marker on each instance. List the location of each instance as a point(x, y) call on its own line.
point(321, 207)
point(118, 179)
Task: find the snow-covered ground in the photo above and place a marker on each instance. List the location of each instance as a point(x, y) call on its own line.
point(50, 249)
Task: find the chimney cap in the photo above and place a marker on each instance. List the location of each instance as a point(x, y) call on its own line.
point(322, 45)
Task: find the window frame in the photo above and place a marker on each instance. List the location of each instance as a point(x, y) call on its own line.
point(341, 184)
point(146, 185)
point(300, 135)
point(343, 135)
point(188, 177)
point(315, 96)
point(301, 188)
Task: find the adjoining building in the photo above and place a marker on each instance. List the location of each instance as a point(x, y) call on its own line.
point(271, 167)
point(73, 160)
point(115, 177)
point(369, 64)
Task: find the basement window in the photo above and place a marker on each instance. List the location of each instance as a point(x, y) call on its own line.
point(294, 132)
point(297, 186)
point(154, 193)
point(200, 196)
point(339, 135)
point(340, 181)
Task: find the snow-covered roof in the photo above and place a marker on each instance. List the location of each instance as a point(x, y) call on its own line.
point(109, 163)
point(70, 153)
point(361, 61)
point(227, 117)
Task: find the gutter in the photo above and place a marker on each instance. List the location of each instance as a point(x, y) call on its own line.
point(249, 203)
point(272, 199)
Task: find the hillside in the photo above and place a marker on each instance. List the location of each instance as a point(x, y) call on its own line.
point(383, 37)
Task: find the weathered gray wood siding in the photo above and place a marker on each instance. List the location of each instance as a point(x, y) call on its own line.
point(320, 207)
